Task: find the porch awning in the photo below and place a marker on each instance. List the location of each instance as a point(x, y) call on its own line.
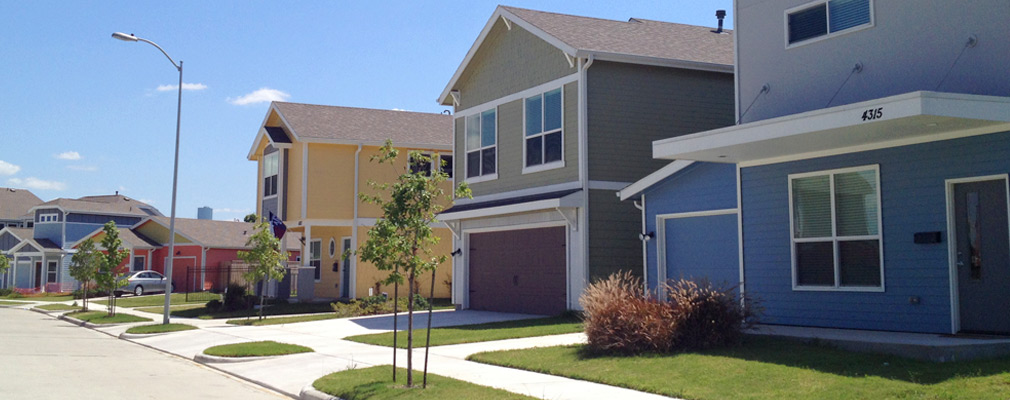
point(910, 118)
point(536, 202)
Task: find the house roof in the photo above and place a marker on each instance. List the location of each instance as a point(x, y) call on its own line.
point(131, 238)
point(635, 41)
point(15, 203)
point(542, 201)
point(219, 234)
point(108, 204)
point(21, 233)
point(277, 134)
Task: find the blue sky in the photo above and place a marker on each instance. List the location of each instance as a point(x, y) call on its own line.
point(85, 116)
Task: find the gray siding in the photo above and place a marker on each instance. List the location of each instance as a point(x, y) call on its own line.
point(630, 106)
point(613, 235)
point(7, 241)
point(509, 61)
point(59, 214)
point(510, 149)
point(924, 36)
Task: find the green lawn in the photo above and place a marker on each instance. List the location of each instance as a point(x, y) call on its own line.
point(199, 311)
point(156, 300)
point(161, 309)
point(256, 349)
point(159, 328)
point(12, 303)
point(41, 297)
point(57, 307)
point(282, 320)
point(102, 317)
point(479, 332)
point(376, 383)
point(767, 368)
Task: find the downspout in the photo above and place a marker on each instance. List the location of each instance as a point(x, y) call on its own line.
point(645, 246)
point(353, 275)
point(583, 173)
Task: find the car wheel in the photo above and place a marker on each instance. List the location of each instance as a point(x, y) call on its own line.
point(139, 291)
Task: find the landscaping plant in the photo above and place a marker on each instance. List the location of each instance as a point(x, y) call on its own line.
point(708, 316)
point(5, 264)
point(84, 268)
point(108, 273)
point(265, 260)
point(402, 240)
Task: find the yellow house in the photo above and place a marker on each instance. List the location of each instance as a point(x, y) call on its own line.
point(313, 160)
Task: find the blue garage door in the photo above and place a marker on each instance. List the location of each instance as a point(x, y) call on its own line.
point(703, 247)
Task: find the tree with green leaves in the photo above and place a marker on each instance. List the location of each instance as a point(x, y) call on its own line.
point(402, 241)
point(108, 276)
point(5, 264)
point(251, 218)
point(84, 267)
point(266, 260)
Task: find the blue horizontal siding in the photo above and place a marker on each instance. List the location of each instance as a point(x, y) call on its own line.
point(699, 187)
point(99, 219)
point(913, 199)
point(49, 230)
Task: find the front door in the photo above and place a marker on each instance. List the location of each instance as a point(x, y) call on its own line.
point(983, 255)
point(38, 275)
point(345, 275)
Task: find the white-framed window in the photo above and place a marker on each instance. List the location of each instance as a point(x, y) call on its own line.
point(543, 146)
point(836, 230)
point(421, 164)
point(826, 18)
point(49, 218)
point(271, 164)
point(52, 271)
point(427, 166)
point(316, 257)
point(445, 163)
point(482, 146)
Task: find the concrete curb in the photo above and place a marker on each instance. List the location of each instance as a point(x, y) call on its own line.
point(310, 393)
point(74, 321)
point(131, 336)
point(48, 312)
point(209, 359)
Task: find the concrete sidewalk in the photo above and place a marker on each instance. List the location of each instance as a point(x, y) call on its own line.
point(289, 374)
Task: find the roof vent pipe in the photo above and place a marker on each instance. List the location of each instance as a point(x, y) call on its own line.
point(720, 14)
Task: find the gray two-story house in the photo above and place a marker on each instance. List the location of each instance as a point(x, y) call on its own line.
point(553, 114)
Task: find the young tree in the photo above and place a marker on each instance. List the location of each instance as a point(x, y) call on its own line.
point(84, 266)
point(402, 241)
point(5, 264)
point(265, 259)
point(108, 274)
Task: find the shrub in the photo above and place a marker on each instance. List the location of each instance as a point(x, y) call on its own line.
point(372, 305)
point(214, 305)
point(235, 298)
point(92, 293)
point(707, 316)
point(5, 292)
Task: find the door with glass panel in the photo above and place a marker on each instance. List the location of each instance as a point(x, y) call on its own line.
point(982, 256)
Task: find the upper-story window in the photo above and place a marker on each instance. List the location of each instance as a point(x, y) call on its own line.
point(270, 172)
point(544, 136)
point(49, 218)
point(482, 145)
point(826, 18)
point(426, 167)
point(446, 164)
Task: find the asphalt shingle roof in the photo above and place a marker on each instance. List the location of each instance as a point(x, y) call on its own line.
point(115, 204)
point(636, 37)
point(366, 125)
point(15, 203)
point(220, 234)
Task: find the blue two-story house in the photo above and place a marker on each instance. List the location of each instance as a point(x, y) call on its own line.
point(865, 184)
point(41, 255)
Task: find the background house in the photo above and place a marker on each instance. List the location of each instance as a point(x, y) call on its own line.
point(313, 161)
point(870, 164)
point(553, 114)
point(14, 206)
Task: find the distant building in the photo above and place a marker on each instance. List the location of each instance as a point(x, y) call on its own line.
point(14, 206)
point(204, 213)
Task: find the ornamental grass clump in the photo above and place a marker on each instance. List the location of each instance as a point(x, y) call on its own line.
point(707, 316)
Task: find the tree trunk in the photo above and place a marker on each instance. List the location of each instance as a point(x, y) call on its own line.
point(396, 293)
point(427, 342)
point(410, 329)
point(263, 292)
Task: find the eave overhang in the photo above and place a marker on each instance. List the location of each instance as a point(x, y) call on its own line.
point(552, 201)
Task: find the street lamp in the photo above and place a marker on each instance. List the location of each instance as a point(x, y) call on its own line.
point(175, 170)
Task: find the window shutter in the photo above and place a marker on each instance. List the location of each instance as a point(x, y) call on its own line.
point(846, 14)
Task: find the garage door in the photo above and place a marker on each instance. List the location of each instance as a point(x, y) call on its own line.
point(520, 271)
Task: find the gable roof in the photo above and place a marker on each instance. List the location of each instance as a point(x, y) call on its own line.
point(218, 234)
point(20, 233)
point(351, 125)
point(15, 203)
point(116, 204)
point(634, 41)
point(130, 238)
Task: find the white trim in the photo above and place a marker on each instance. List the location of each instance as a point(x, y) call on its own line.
point(263, 167)
point(607, 185)
point(661, 219)
point(480, 149)
point(320, 259)
point(521, 192)
point(694, 214)
point(955, 304)
point(544, 166)
point(656, 61)
point(739, 234)
point(638, 187)
point(559, 82)
point(573, 200)
point(305, 180)
point(827, 27)
point(834, 238)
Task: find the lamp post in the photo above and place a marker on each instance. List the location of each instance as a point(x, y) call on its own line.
point(175, 171)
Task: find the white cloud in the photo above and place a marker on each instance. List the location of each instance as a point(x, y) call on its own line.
point(185, 86)
point(69, 155)
point(37, 184)
point(7, 168)
point(263, 95)
point(85, 168)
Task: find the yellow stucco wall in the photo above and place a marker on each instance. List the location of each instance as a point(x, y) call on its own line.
point(331, 181)
point(329, 283)
point(294, 183)
point(368, 275)
point(386, 173)
point(159, 233)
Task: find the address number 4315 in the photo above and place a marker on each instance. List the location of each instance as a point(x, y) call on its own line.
point(873, 113)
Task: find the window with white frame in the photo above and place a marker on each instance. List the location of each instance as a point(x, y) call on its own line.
point(49, 218)
point(481, 144)
point(420, 163)
point(270, 172)
point(544, 136)
point(836, 239)
point(316, 257)
point(445, 164)
point(826, 18)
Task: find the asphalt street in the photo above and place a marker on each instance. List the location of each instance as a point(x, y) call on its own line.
point(45, 358)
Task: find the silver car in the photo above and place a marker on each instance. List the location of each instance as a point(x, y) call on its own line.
point(143, 282)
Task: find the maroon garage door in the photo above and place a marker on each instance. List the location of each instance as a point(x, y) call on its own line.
point(520, 271)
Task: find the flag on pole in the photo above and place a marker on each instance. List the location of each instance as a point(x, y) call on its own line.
point(278, 226)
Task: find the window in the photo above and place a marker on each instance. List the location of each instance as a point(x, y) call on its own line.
point(51, 271)
point(316, 257)
point(49, 218)
point(138, 263)
point(270, 168)
point(481, 145)
point(544, 137)
point(826, 18)
point(333, 247)
point(446, 164)
point(835, 218)
point(420, 163)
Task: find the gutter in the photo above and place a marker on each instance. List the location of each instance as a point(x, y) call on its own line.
point(645, 246)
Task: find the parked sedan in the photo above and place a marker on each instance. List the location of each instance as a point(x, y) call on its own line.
point(143, 282)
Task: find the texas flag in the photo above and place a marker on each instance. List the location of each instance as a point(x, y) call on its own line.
point(278, 225)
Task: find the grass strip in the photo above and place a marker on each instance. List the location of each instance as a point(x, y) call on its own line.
point(40, 297)
point(102, 317)
point(155, 300)
point(12, 303)
point(282, 320)
point(256, 349)
point(479, 332)
point(769, 368)
point(58, 307)
point(161, 309)
point(159, 328)
point(376, 383)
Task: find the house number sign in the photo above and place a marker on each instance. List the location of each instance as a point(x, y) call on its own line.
point(873, 113)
